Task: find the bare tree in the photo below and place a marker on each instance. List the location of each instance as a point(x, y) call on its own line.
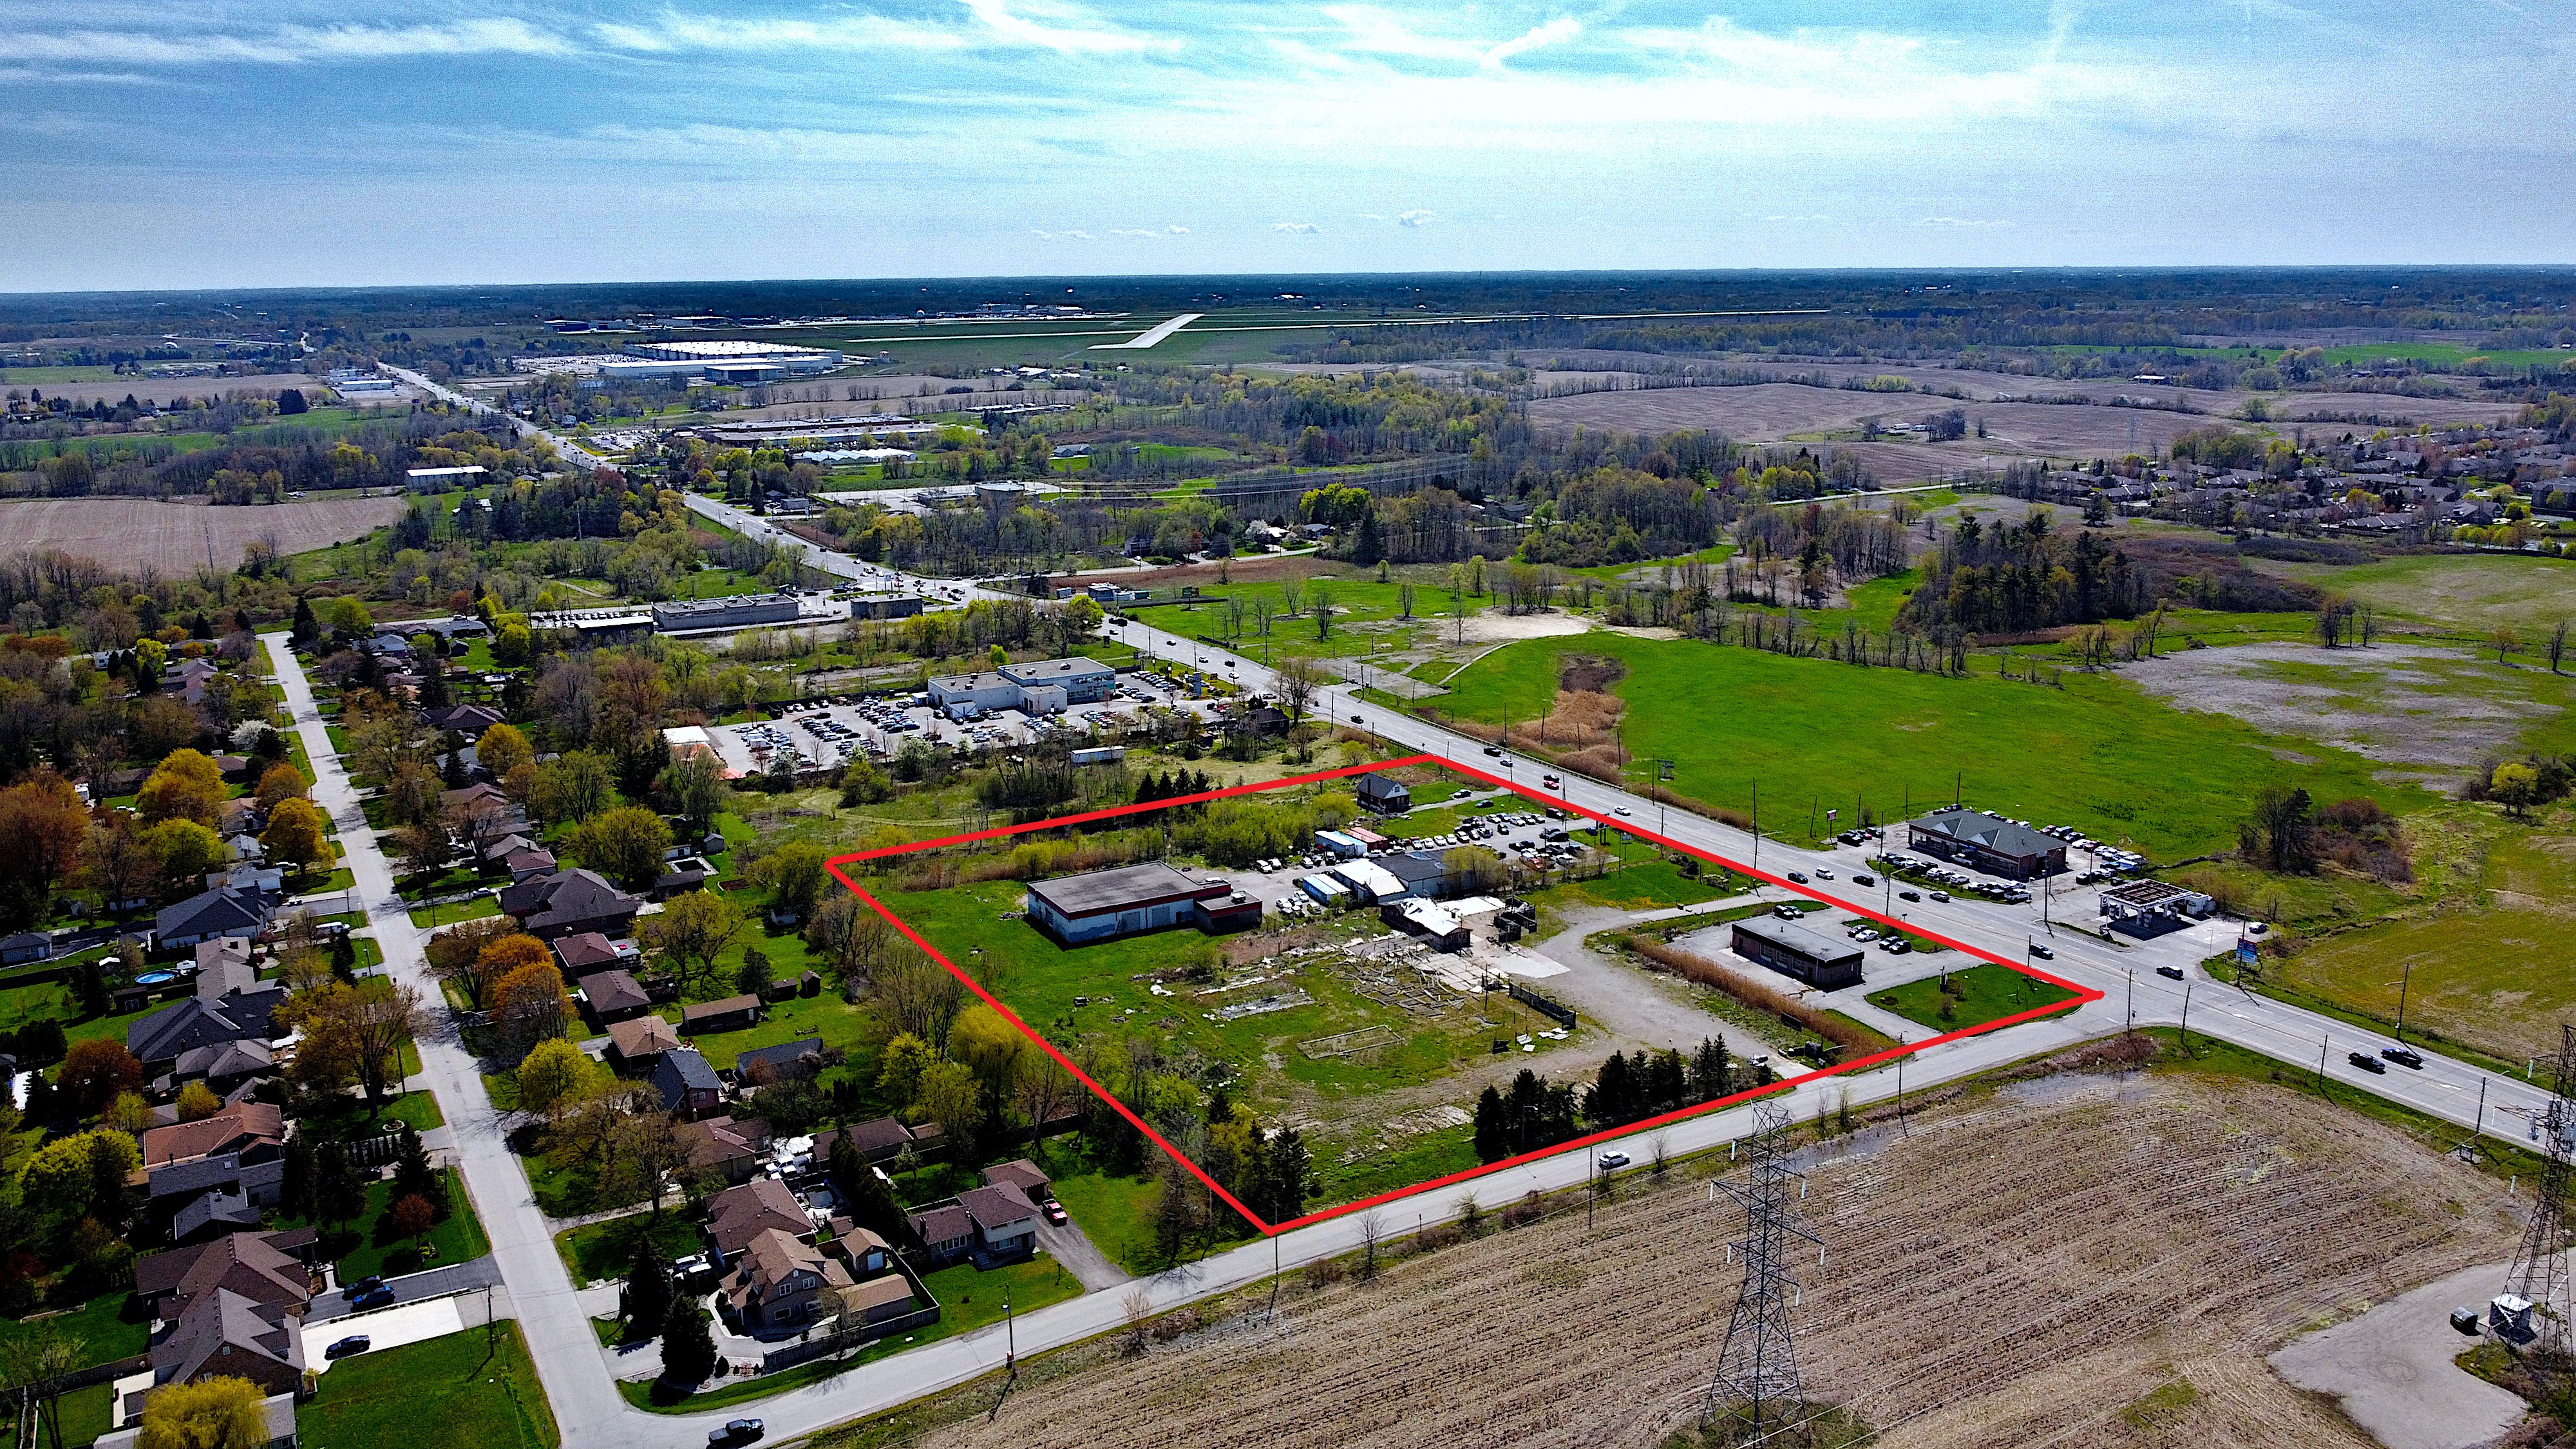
point(1299, 679)
point(2557, 645)
point(1139, 1307)
point(1372, 1226)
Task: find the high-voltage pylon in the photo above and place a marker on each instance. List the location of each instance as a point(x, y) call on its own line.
point(1756, 1389)
point(2540, 1319)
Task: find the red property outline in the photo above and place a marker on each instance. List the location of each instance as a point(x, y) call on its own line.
point(2083, 995)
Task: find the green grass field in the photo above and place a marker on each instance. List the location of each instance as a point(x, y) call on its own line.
point(2099, 754)
point(478, 1390)
point(600, 1252)
point(2445, 355)
point(1976, 996)
point(2494, 969)
point(458, 1238)
point(2474, 593)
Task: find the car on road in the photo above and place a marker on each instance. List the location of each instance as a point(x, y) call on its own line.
point(1909, 895)
point(1798, 877)
point(1618, 809)
point(2170, 973)
point(2406, 1057)
point(2045, 953)
point(1493, 753)
point(354, 1343)
point(1550, 781)
point(1865, 880)
point(1823, 874)
point(1056, 1214)
point(2367, 1063)
point(379, 1296)
point(738, 1431)
point(1613, 1158)
point(1940, 895)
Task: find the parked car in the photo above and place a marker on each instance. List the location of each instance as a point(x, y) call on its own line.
point(1056, 1214)
point(1613, 1158)
point(739, 1431)
point(2406, 1057)
point(354, 1343)
point(2367, 1063)
point(380, 1296)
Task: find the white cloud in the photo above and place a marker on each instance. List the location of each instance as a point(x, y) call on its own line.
point(293, 44)
point(1297, 228)
point(1418, 216)
point(673, 31)
point(1375, 30)
point(1074, 235)
point(1081, 36)
point(1959, 223)
point(1176, 231)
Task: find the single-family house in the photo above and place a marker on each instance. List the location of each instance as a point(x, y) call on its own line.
point(690, 1088)
point(614, 996)
point(739, 1214)
point(225, 1335)
point(1006, 1224)
point(779, 1282)
point(1024, 1175)
point(634, 1045)
point(271, 1268)
point(946, 1233)
point(219, 911)
point(731, 1148)
point(784, 1062)
point(569, 901)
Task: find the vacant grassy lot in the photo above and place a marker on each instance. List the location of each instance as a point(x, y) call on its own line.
point(2496, 970)
point(2100, 754)
point(2475, 593)
point(1973, 997)
point(179, 538)
point(470, 1390)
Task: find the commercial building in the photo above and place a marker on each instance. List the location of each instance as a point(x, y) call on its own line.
point(1421, 918)
point(439, 480)
point(742, 612)
point(1370, 882)
point(1816, 959)
point(2149, 907)
point(1043, 687)
point(1987, 842)
point(1129, 899)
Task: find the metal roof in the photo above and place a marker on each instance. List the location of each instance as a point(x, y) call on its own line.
point(1124, 887)
point(1813, 945)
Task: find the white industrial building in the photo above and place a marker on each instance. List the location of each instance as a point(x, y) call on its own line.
point(720, 361)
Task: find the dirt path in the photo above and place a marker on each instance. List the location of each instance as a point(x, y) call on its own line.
point(1643, 1011)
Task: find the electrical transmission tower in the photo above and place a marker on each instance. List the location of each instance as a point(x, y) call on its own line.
point(2539, 1275)
point(1756, 1389)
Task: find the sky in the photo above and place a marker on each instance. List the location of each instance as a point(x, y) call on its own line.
point(202, 143)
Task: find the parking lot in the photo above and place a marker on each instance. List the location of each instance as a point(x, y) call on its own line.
point(827, 734)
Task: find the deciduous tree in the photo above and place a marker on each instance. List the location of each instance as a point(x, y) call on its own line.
point(211, 1413)
point(625, 844)
point(294, 836)
point(184, 786)
point(693, 929)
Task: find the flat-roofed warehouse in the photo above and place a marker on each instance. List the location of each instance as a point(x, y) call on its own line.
point(1988, 842)
point(1128, 899)
point(1811, 956)
point(742, 611)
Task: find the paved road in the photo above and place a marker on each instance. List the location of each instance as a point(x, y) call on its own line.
point(2391, 1369)
point(466, 1277)
point(577, 1380)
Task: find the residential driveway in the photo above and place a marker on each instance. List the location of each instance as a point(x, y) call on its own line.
point(1071, 1247)
point(2391, 1369)
point(389, 1328)
point(418, 1287)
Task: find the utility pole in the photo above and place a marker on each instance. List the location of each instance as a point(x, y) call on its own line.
point(2324, 1045)
point(2403, 980)
point(2133, 1000)
point(2539, 1274)
point(2186, 1020)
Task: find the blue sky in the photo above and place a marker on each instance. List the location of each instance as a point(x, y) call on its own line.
point(286, 143)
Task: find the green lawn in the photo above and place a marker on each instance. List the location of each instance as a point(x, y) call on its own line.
point(1978, 995)
point(348, 1117)
point(1116, 1213)
point(373, 1250)
point(470, 1390)
point(2099, 754)
point(599, 1252)
point(85, 1415)
point(108, 1328)
point(432, 917)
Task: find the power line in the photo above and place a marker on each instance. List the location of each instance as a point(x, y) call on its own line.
point(2539, 1274)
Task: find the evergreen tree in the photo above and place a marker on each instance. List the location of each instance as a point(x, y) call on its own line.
point(302, 1177)
point(413, 1176)
point(306, 628)
point(646, 1303)
point(1493, 1127)
point(1710, 1079)
point(338, 1195)
point(688, 1349)
point(862, 1193)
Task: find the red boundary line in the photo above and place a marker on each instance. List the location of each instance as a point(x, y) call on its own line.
point(2083, 995)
